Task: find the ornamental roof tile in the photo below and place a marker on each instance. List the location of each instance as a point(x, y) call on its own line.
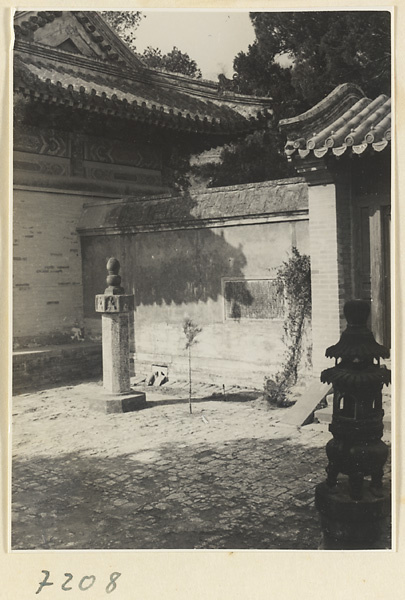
point(345, 121)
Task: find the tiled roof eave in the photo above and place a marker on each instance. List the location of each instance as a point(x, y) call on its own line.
point(200, 89)
point(109, 93)
point(338, 151)
point(58, 96)
point(344, 94)
point(346, 127)
point(101, 33)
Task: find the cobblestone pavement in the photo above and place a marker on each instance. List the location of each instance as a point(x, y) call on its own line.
point(229, 476)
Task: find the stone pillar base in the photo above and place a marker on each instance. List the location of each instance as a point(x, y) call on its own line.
point(119, 403)
point(353, 524)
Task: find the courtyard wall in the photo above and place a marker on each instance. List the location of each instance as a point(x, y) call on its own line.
point(212, 257)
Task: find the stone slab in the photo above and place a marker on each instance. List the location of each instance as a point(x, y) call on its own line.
point(110, 404)
point(301, 412)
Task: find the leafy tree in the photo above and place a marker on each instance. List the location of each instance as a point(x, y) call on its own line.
point(297, 59)
point(255, 158)
point(324, 49)
point(125, 23)
point(259, 75)
point(174, 61)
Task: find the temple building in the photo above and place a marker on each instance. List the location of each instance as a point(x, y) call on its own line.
point(98, 141)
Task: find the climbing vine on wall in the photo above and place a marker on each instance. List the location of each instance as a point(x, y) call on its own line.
point(294, 282)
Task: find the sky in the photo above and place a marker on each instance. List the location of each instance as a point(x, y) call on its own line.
point(211, 38)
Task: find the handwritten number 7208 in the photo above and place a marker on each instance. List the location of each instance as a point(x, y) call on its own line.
point(85, 583)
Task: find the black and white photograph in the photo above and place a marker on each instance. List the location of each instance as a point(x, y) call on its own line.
point(201, 271)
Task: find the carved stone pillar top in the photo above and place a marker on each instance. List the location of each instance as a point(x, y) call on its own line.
point(113, 280)
point(114, 299)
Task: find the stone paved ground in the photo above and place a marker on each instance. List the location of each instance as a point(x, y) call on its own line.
point(227, 476)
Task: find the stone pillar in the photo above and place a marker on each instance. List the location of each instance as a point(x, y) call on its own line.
point(115, 307)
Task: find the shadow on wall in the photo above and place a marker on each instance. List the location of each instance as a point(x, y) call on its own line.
point(187, 266)
point(181, 265)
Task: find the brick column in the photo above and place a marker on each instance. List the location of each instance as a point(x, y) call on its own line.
point(324, 271)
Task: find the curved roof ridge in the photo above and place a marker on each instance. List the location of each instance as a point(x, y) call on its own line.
point(345, 119)
point(56, 84)
point(208, 83)
point(341, 92)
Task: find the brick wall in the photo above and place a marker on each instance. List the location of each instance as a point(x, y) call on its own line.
point(324, 272)
point(47, 280)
